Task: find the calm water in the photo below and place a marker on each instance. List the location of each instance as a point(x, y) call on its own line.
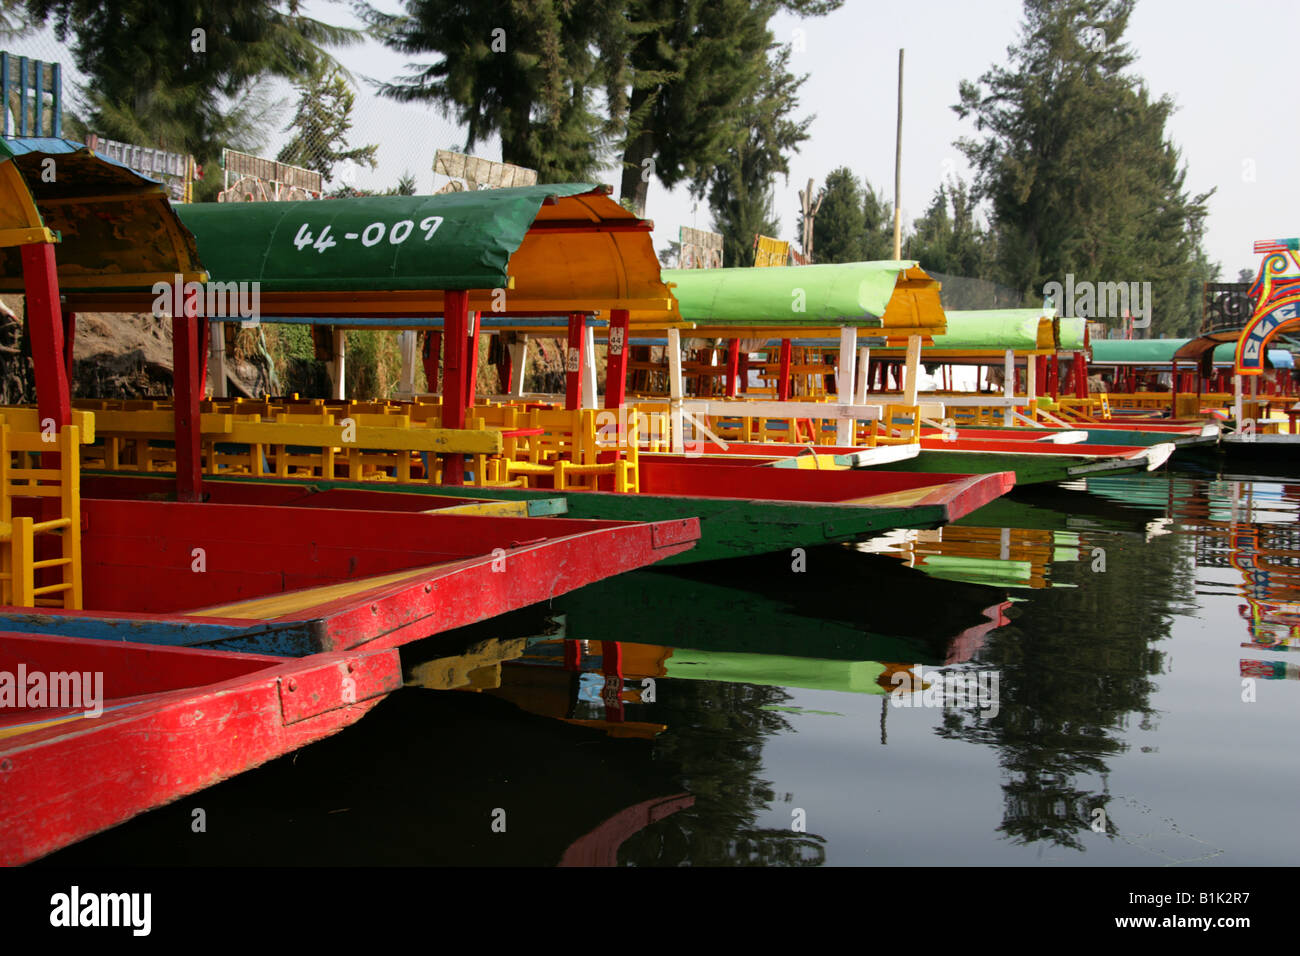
point(1130, 652)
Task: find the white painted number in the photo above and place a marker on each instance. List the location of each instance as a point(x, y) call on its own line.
point(373, 233)
point(326, 241)
point(404, 227)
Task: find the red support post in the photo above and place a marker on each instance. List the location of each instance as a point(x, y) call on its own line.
point(185, 397)
point(69, 339)
point(1056, 376)
point(783, 379)
point(45, 329)
point(455, 326)
point(573, 362)
point(205, 349)
point(733, 368)
point(616, 362)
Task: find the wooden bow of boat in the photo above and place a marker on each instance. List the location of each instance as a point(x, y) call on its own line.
point(172, 721)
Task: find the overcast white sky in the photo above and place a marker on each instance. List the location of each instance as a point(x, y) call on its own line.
point(1230, 67)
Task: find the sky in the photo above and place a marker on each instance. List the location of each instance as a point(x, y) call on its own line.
point(1227, 67)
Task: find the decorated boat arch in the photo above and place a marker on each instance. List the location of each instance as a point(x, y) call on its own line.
point(1276, 294)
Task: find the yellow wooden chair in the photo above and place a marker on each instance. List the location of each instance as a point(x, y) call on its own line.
point(23, 474)
point(900, 425)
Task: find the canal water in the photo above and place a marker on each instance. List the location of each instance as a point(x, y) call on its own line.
point(1085, 674)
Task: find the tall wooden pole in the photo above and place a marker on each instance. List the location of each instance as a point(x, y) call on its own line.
point(898, 168)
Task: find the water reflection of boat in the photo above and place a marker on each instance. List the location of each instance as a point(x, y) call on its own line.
point(425, 782)
point(1003, 557)
point(815, 613)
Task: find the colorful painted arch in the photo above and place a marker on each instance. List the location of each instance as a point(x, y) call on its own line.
point(115, 228)
point(1276, 291)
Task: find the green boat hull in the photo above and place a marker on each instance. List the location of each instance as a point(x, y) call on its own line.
point(1029, 469)
point(729, 527)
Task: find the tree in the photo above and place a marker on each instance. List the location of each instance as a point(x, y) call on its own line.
point(186, 77)
point(1075, 163)
point(953, 244)
point(523, 70)
point(677, 73)
point(839, 230)
point(740, 188)
point(321, 125)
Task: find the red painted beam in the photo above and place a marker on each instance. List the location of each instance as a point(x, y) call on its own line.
point(616, 366)
point(733, 368)
point(185, 364)
point(783, 380)
point(573, 361)
point(454, 377)
point(45, 328)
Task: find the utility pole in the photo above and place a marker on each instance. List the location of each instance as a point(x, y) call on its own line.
point(898, 168)
point(809, 214)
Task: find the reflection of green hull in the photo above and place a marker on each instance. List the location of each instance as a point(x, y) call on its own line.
point(858, 677)
point(760, 606)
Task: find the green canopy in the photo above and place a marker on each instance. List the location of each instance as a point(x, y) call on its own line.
point(1150, 351)
point(887, 294)
point(458, 240)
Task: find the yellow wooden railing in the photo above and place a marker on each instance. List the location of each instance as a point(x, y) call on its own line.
point(23, 473)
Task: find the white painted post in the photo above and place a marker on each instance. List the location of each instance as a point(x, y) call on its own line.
point(406, 345)
point(589, 368)
point(1236, 401)
point(1008, 385)
point(864, 369)
point(518, 362)
point(844, 387)
point(912, 373)
point(675, 390)
point(217, 359)
point(336, 367)
point(1031, 384)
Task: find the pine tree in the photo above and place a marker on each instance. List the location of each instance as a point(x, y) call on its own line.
point(740, 188)
point(526, 71)
point(1075, 163)
point(321, 125)
point(186, 77)
point(677, 73)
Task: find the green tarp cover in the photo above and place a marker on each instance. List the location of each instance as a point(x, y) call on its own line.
point(1071, 332)
point(1150, 351)
point(991, 330)
point(377, 243)
point(853, 293)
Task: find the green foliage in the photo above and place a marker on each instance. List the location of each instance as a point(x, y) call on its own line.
point(321, 123)
point(525, 70)
point(947, 238)
point(154, 81)
point(1075, 164)
point(853, 224)
point(740, 187)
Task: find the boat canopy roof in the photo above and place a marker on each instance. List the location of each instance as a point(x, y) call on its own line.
point(518, 251)
point(115, 228)
point(984, 335)
point(896, 297)
point(1163, 352)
